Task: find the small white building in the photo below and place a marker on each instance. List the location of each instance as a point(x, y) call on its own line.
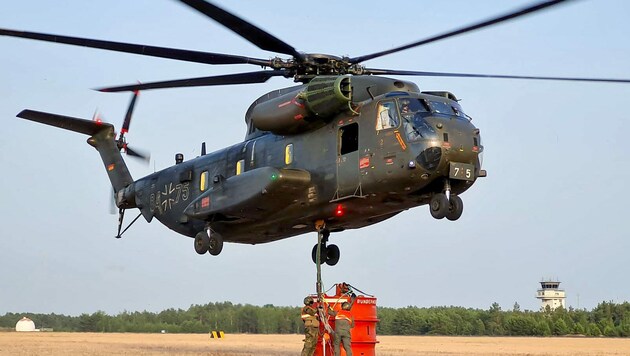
point(551, 295)
point(25, 324)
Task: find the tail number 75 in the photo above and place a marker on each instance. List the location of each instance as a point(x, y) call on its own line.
point(462, 171)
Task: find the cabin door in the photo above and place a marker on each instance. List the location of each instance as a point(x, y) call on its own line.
point(348, 183)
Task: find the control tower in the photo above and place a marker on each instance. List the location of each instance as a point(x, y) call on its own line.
point(550, 295)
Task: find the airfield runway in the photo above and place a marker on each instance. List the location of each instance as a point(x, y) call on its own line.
point(88, 344)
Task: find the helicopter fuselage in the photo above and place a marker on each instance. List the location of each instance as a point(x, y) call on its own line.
point(357, 169)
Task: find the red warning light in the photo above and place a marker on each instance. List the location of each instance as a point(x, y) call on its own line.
point(339, 212)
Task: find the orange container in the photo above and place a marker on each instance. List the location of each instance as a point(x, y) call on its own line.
point(364, 332)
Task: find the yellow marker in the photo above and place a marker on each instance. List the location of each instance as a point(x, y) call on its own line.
point(203, 181)
point(217, 334)
point(400, 140)
point(288, 154)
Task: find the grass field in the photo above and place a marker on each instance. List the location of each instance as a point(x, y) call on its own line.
point(88, 344)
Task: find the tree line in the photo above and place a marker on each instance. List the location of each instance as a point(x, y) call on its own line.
point(607, 319)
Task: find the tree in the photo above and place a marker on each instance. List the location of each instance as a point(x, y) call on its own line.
point(560, 327)
point(593, 330)
point(520, 325)
point(479, 328)
point(579, 329)
point(542, 328)
point(89, 323)
point(248, 319)
point(610, 331)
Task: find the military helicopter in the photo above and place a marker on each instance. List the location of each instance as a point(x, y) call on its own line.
point(344, 149)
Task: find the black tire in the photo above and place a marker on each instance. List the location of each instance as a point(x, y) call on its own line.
point(455, 208)
point(201, 242)
point(215, 245)
point(438, 206)
point(332, 255)
point(323, 257)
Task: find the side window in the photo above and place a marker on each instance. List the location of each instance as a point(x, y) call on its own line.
point(288, 154)
point(386, 115)
point(348, 138)
point(203, 181)
point(239, 166)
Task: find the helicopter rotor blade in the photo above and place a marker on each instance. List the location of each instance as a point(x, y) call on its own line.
point(153, 51)
point(127, 122)
point(247, 30)
point(229, 79)
point(138, 154)
point(496, 76)
point(493, 21)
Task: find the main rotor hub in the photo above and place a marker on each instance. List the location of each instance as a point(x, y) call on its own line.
point(316, 64)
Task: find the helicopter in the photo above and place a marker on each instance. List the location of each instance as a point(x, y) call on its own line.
point(345, 149)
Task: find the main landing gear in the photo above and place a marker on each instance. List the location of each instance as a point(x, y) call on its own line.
point(329, 254)
point(208, 241)
point(446, 205)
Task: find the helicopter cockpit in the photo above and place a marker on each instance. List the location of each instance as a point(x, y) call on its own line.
point(440, 107)
point(414, 112)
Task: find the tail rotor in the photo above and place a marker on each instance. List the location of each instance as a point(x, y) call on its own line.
point(121, 142)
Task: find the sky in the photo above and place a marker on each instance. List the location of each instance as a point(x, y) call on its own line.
point(554, 204)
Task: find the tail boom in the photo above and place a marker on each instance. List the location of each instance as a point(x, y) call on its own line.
point(102, 137)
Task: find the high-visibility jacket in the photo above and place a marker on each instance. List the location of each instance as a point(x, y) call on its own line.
point(309, 316)
point(344, 316)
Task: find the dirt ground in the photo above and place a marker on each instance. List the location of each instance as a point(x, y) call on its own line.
point(88, 344)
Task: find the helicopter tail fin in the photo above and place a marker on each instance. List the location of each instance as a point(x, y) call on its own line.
point(102, 137)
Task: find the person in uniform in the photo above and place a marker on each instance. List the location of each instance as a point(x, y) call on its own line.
point(311, 326)
point(404, 107)
point(343, 323)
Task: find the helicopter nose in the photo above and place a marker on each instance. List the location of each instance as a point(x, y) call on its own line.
point(459, 147)
point(430, 158)
point(456, 141)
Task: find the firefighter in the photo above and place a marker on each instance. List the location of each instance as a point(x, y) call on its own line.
point(343, 323)
point(311, 326)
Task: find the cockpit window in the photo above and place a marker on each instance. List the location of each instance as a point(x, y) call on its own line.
point(458, 110)
point(417, 128)
point(442, 108)
point(412, 106)
point(386, 115)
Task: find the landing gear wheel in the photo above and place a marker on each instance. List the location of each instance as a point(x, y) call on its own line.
point(455, 208)
point(439, 206)
point(216, 244)
point(201, 242)
point(332, 255)
point(324, 254)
